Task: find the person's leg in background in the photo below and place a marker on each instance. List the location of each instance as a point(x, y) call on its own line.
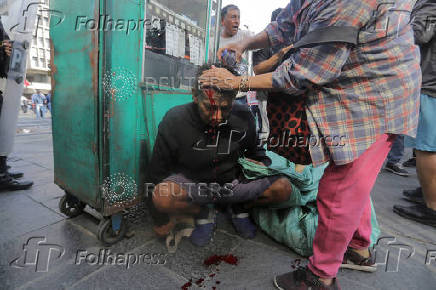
point(425, 144)
point(426, 169)
point(7, 180)
point(1, 101)
point(343, 213)
point(425, 210)
point(394, 157)
point(42, 108)
point(38, 111)
point(413, 195)
point(264, 133)
point(411, 162)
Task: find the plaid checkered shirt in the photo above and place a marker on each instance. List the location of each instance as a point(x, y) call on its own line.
point(352, 93)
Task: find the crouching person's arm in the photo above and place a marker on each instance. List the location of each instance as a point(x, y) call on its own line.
point(167, 196)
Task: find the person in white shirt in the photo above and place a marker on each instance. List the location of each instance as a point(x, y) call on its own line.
point(230, 33)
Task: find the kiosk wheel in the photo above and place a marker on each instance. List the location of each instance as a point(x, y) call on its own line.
point(70, 206)
point(112, 230)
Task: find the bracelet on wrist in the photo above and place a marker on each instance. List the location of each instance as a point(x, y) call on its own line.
point(243, 85)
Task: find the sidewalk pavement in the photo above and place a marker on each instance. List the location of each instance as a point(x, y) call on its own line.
point(41, 249)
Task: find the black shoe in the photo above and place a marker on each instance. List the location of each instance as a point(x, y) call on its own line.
point(419, 213)
point(8, 183)
point(14, 174)
point(396, 169)
point(410, 163)
point(414, 195)
point(300, 279)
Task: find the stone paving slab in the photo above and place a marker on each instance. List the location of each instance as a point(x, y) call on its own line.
point(20, 215)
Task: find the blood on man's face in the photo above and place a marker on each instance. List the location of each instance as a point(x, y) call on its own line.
point(214, 109)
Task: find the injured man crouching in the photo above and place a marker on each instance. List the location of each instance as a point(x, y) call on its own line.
point(195, 166)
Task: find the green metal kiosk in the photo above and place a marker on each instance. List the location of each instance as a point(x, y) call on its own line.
point(118, 66)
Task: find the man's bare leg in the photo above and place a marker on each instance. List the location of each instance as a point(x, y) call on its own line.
point(278, 192)
point(426, 170)
point(170, 198)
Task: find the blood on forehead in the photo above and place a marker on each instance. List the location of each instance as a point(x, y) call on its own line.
point(215, 98)
point(210, 93)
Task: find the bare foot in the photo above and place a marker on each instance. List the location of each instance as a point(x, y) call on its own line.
point(326, 281)
point(363, 252)
point(164, 230)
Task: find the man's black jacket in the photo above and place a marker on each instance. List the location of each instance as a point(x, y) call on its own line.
point(424, 27)
point(184, 144)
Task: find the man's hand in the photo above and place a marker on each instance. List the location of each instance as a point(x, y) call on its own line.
point(283, 52)
point(269, 64)
point(8, 47)
point(260, 40)
point(254, 161)
point(237, 47)
point(219, 78)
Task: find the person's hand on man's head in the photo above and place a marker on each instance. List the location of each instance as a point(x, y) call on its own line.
point(219, 78)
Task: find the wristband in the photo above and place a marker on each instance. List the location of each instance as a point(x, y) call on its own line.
point(243, 85)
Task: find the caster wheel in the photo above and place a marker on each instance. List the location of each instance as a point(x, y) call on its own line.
point(71, 209)
point(107, 235)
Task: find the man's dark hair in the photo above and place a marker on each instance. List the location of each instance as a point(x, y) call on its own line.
point(197, 89)
point(275, 14)
point(226, 10)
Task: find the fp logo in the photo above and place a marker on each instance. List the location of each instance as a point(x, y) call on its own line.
point(392, 253)
point(24, 26)
point(38, 254)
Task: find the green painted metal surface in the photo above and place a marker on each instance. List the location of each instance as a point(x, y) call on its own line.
point(156, 104)
point(105, 118)
point(121, 64)
point(75, 102)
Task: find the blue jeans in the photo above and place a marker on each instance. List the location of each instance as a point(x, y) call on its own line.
point(40, 111)
point(397, 150)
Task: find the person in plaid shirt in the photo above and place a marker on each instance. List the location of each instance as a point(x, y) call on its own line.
point(365, 94)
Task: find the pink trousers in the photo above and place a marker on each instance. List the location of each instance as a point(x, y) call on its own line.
point(344, 209)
